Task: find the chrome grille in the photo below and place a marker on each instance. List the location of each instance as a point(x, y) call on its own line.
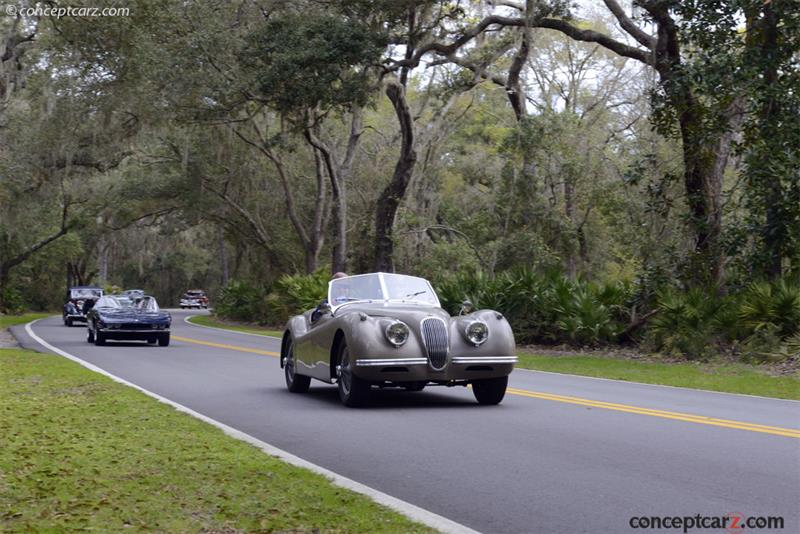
point(136, 326)
point(434, 333)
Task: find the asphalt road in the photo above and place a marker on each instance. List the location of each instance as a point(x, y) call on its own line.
point(560, 454)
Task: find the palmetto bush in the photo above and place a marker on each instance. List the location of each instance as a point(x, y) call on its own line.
point(690, 322)
point(293, 294)
point(544, 307)
point(240, 301)
point(774, 305)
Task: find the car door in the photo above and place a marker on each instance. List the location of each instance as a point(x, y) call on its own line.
point(313, 348)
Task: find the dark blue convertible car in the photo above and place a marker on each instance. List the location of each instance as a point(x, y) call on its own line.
point(118, 317)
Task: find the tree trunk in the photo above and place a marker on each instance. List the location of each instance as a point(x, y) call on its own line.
point(223, 258)
point(392, 195)
point(775, 230)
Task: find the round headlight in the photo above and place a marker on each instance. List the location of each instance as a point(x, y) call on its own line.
point(477, 332)
point(397, 333)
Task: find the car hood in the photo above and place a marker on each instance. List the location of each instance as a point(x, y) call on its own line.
point(404, 312)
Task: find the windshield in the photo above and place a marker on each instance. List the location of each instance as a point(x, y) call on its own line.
point(409, 288)
point(114, 302)
point(148, 304)
point(381, 287)
point(86, 293)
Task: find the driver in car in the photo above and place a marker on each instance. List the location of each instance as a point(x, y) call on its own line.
point(317, 313)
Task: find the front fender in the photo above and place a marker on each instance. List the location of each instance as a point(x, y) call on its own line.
point(499, 343)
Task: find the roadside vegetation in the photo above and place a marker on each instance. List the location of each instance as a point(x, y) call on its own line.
point(12, 320)
point(714, 376)
point(81, 452)
point(537, 157)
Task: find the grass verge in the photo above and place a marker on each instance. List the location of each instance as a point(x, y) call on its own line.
point(11, 320)
point(210, 320)
point(81, 452)
point(730, 378)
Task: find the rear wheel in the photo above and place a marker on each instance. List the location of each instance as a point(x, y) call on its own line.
point(490, 390)
point(294, 382)
point(163, 340)
point(353, 391)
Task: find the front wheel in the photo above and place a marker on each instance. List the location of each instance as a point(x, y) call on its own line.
point(99, 339)
point(294, 382)
point(353, 391)
point(490, 390)
point(415, 386)
point(163, 340)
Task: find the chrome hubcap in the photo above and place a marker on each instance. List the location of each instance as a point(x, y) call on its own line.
point(344, 372)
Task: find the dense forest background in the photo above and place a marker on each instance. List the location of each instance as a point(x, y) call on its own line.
point(600, 171)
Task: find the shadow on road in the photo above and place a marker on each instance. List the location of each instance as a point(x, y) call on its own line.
point(391, 398)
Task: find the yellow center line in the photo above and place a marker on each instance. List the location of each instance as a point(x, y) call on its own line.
point(224, 346)
point(691, 418)
point(678, 416)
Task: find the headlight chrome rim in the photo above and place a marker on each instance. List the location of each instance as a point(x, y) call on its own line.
point(389, 333)
point(469, 333)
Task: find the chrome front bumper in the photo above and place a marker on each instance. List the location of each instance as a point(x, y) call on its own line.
point(458, 360)
point(129, 331)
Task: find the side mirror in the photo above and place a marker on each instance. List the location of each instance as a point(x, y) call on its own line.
point(466, 307)
point(324, 308)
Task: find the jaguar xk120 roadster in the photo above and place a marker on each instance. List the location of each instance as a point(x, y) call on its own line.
point(389, 330)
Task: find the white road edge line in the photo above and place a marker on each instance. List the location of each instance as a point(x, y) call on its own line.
point(187, 321)
point(409, 510)
point(696, 390)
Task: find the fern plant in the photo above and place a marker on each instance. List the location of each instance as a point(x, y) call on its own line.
point(772, 305)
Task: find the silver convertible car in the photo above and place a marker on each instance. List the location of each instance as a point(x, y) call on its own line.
point(389, 330)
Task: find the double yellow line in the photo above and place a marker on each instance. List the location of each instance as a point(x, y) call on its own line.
point(689, 418)
point(224, 346)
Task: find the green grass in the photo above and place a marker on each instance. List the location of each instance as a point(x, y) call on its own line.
point(731, 378)
point(11, 320)
point(210, 320)
point(81, 452)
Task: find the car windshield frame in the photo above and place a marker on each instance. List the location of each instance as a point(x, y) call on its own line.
point(115, 301)
point(83, 293)
point(147, 304)
point(378, 287)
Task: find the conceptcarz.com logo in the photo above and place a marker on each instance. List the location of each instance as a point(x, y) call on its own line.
point(734, 522)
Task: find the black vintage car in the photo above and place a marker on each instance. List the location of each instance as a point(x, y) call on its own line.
point(79, 300)
point(118, 317)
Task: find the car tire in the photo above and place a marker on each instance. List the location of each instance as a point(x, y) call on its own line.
point(415, 386)
point(490, 390)
point(296, 383)
point(163, 340)
point(152, 340)
point(68, 322)
point(99, 339)
point(353, 391)
point(90, 336)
